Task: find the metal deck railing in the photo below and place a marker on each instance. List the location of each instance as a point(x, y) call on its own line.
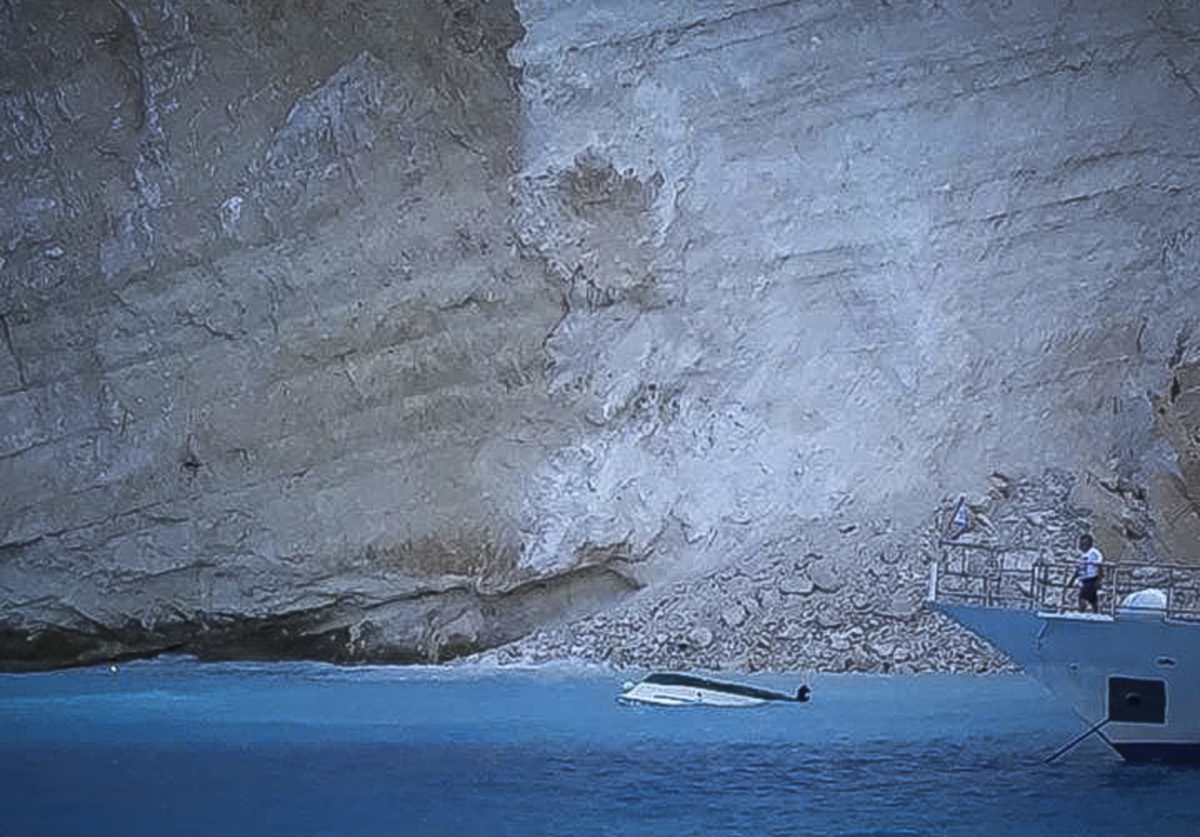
point(1040, 579)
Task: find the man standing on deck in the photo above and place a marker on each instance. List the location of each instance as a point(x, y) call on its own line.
point(1088, 573)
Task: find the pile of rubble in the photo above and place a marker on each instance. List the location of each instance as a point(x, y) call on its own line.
point(788, 614)
point(855, 607)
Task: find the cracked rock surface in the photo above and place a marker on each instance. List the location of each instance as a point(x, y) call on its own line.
point(650, 333)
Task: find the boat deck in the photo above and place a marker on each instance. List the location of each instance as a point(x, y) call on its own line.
point(990, 575)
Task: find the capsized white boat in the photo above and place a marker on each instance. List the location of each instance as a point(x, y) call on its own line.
point(672, 689)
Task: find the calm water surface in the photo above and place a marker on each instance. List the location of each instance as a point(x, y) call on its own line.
point(177, 747)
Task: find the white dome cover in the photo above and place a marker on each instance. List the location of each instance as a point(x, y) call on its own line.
point(1147, 604)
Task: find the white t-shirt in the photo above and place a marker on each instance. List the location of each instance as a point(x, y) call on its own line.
point(1089, 563)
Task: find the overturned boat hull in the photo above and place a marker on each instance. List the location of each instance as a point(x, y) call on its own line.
point(671, 689)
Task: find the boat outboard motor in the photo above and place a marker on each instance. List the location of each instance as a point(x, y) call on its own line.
point(802, 694)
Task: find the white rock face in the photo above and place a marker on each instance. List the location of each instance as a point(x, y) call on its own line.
point(849, 257)
point(331, 335)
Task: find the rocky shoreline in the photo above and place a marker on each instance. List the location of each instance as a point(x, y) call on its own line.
point(841, 596)
point(856, 605)
point(777, 619)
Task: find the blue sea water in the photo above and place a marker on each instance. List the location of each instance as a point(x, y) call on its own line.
point(177, 747)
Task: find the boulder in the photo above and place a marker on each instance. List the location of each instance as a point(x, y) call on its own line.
point(797, 585)
point(700, 637)
point(734, 615)
point(824, 577)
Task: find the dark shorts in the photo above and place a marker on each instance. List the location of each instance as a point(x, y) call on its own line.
point(1087, 589)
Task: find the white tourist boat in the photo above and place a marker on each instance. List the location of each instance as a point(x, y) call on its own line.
point(1131, 672)
point(673, 689)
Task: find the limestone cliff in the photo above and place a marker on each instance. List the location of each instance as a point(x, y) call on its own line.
point(396, 330)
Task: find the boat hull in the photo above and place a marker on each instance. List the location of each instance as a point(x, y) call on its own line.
point(1161, 752)
point(675, 689)
point(681, 696)
point(1136, 675)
